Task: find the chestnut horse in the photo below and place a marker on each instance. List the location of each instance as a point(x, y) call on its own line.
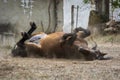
point(56, 45)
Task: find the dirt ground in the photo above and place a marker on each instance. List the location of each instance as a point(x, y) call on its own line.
point(61, 69)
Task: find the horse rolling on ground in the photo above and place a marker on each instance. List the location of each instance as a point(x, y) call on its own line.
point(56, 45)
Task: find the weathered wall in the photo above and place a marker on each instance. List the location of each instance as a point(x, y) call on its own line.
point(15, 18)
point(59, 4)
point(13, 13)
point(116, 14)
point(83, 14)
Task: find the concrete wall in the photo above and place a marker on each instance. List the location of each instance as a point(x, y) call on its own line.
point(15, 18)
point(116, 14)
point(59, 15)
point(83, 14)
point(18, 17)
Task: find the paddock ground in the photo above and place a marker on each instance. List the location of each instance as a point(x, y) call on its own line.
point(61, 69)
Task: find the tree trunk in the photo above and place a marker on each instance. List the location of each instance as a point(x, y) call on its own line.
point(102, 7)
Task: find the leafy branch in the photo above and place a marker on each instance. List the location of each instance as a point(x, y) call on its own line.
point(86, 1)
point(116, 4)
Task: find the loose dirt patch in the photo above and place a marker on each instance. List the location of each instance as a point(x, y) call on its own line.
point(61, 69)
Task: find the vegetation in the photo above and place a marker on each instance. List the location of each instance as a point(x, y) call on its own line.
point(86, 1)
point(116, 3)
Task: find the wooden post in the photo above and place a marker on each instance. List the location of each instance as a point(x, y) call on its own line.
point(72, 17)
point(77, 16)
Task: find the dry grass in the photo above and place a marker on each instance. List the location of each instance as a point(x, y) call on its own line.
point(113, 39)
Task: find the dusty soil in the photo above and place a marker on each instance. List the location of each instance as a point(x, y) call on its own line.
point(61, 69)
